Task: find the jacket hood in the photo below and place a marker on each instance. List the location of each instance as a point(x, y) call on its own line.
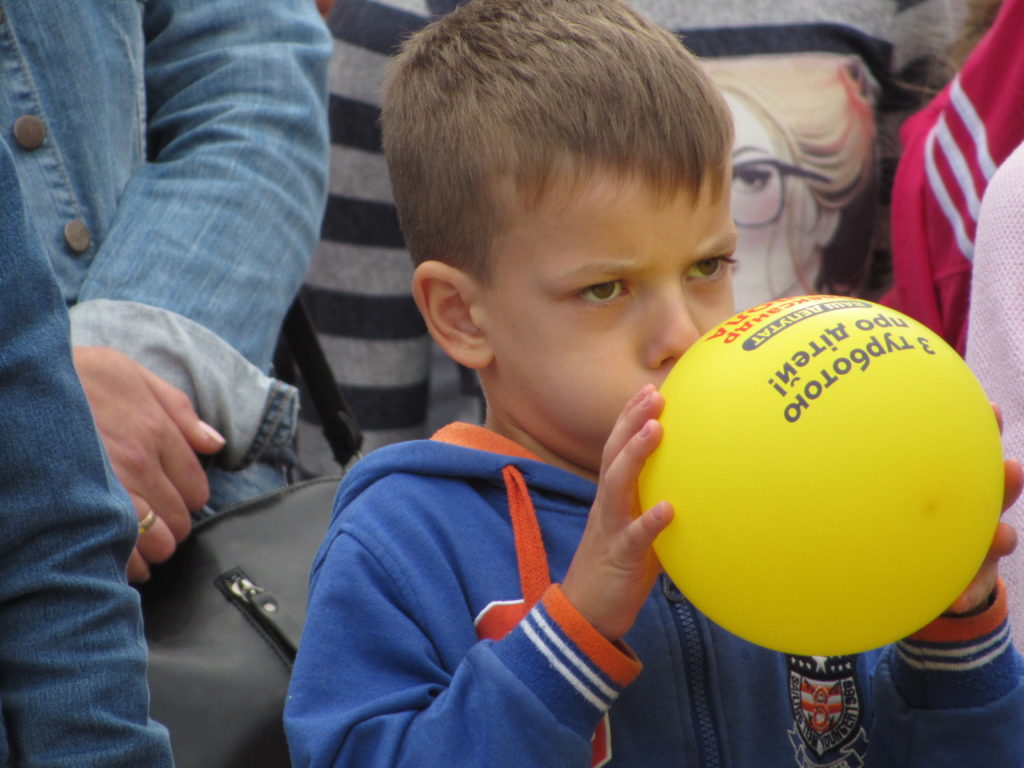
point(462, 452)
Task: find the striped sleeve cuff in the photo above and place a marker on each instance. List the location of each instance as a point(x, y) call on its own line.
point(568, 664)
point(963, 629)
point(958, 662)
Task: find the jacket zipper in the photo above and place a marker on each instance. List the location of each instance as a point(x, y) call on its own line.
point(695, 665)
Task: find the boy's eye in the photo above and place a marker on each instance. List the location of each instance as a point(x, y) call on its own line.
point(602, 291)
point(711, 267)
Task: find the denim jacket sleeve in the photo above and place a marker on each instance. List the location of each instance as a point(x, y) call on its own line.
point(219, 223)
point(212, 235)
point(254, 412)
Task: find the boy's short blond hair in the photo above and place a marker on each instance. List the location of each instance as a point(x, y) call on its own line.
point(508, 97)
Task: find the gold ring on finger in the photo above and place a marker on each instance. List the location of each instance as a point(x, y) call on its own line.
point(147, 522)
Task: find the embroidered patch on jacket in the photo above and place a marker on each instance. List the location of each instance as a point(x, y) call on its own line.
point(827, 712)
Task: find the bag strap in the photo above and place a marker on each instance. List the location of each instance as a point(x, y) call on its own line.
point(338, 423)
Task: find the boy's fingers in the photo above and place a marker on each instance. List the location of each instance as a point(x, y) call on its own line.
point(641, 533)
point(1013, 480)
point(645, 404)
point(1003, 542)
point(619, 478)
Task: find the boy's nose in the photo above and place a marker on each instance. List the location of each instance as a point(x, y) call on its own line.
point(673, 332)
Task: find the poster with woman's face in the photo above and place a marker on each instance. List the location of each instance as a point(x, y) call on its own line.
point(803, 172)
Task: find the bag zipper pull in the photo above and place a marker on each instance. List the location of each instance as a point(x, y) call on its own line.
point(264, 608)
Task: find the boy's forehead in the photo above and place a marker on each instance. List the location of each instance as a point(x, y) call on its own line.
point(610, 209)
point(561, 192)
point(520, 207)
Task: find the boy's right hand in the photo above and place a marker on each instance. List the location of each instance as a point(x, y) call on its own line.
point(614, 567)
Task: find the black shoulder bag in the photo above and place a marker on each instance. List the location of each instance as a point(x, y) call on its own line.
point(224, 615)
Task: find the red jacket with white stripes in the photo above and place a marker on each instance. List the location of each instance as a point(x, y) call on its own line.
point(950, 151)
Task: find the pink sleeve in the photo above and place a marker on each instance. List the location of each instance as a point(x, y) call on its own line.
point(950, 151)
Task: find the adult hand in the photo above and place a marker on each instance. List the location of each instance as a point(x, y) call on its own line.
point(152, 435)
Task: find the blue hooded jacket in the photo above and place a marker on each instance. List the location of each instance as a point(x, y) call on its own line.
point(437, 636)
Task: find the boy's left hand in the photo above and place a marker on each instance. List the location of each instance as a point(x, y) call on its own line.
point(1003, 543)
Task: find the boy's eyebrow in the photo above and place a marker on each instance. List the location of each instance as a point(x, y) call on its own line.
point(722, 245)
point(590, 270)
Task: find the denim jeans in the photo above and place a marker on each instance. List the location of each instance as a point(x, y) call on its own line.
point(73, 690)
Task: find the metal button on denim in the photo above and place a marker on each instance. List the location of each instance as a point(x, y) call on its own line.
point(77, 236)
point(29, 131)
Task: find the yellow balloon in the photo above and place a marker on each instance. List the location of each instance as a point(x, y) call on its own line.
point(836, 472)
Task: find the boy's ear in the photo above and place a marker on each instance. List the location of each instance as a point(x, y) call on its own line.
point(449, 299)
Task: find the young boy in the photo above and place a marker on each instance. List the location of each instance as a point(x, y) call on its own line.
point(490, 597)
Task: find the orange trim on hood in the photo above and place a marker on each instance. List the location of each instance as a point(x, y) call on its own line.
point(483, 439)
